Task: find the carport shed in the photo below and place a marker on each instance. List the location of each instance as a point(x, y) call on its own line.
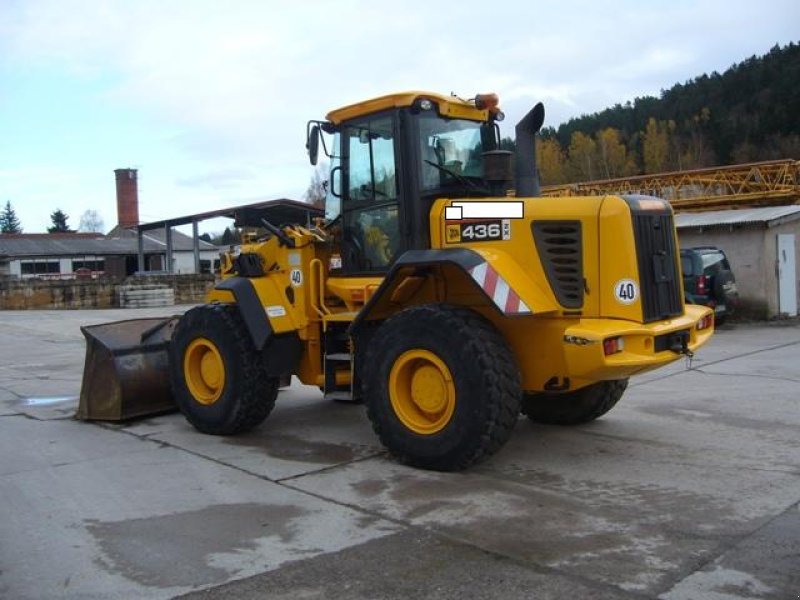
point(761, 245)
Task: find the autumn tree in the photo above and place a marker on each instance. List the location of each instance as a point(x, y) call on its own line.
point(581, 161)
point(9, 223)
point(612, 155)
point(655, 146)
point(59, 219)
point(551, 161)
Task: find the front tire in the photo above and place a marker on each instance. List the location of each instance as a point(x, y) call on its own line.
point(441, 386)
point(574, 408)
point(218, 378)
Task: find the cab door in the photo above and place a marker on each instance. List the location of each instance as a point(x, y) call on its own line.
point(371, 234)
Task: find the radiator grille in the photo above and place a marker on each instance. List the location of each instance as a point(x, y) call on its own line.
point(658, 266)
point(560, 247)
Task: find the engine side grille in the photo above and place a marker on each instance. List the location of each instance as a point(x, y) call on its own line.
point(658, 266)
point(560, 247)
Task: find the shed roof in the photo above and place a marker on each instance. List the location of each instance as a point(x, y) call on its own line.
point(768, 216)
point(39, 245)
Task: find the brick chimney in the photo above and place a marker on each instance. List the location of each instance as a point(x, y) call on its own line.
point(127, 198)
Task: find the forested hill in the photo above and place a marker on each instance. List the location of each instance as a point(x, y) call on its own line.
point(751, 112)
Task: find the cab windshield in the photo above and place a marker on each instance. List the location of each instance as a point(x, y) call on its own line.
point(450, 151)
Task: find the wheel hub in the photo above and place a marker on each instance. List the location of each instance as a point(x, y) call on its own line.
point(422, 391)
point(204, 371)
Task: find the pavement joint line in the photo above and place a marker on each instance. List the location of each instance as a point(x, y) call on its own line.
point(773, 377)
point(715, 362)
point(12, 392)
point(321, 470)
point(736, 540)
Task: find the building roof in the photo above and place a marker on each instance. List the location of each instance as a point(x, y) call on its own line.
point(768, 216)
point(43, 244)
point(180, 241)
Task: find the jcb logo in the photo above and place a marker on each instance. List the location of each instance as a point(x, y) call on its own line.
point(453, 234)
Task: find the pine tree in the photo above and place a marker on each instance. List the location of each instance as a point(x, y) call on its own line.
point(59, 219)
point(9, 223)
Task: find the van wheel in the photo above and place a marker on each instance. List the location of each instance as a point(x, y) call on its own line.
point(574, 408)
point(218, 378)
point(441, 387)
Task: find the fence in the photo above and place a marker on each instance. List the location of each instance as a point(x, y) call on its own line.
point(36, 293)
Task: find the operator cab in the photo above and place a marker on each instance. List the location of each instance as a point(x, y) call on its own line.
point(391, 157)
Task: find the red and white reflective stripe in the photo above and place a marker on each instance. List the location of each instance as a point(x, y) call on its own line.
point(504, 297)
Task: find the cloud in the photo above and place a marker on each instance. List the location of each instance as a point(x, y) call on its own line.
point(225, 89)
point(218, 180)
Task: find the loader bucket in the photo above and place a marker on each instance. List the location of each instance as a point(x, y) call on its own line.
point(127, 370)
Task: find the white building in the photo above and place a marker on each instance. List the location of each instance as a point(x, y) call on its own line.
point(762, 246)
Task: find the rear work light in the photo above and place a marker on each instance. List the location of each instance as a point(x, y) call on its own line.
point(613, 345)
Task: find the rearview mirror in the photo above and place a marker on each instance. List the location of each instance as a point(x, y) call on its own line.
point(312, 144)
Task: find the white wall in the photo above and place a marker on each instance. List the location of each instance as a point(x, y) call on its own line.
point(183, 262)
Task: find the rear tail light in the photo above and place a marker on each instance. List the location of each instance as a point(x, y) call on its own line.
point(702, 282)
point(705, 322)
point(613, 345)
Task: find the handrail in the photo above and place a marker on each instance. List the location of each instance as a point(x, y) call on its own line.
point(317, 285)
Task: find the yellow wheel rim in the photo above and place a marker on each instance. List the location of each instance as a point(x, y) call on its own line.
point(204, 371)
point(422, 391)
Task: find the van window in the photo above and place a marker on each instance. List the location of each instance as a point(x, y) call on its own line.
point(715, 261)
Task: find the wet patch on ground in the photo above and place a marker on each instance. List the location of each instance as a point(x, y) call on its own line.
point(287, 447)
point(632, 536)
point(411, 565)
point(46, 408)
point(179, 549)
point(645, 502)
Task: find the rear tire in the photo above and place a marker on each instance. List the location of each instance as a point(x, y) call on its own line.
point(573, 408)
point(441, 386)
point(218, 377)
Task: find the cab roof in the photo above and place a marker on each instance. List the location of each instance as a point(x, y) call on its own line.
point(448, 106)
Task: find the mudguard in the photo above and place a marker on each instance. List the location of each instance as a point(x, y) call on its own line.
point(500, 279)
point(250, 308)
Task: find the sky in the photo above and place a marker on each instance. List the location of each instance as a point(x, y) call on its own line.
point(209, 100)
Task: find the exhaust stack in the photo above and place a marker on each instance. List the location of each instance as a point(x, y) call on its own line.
point(526, 174)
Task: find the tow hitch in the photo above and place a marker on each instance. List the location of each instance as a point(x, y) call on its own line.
point(679, 343)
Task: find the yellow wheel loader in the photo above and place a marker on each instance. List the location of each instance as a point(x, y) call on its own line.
point(438, 289)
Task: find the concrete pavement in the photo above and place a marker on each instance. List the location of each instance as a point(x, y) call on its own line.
point(688, 489)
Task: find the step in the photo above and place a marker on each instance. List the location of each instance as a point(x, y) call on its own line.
point(341, 396)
